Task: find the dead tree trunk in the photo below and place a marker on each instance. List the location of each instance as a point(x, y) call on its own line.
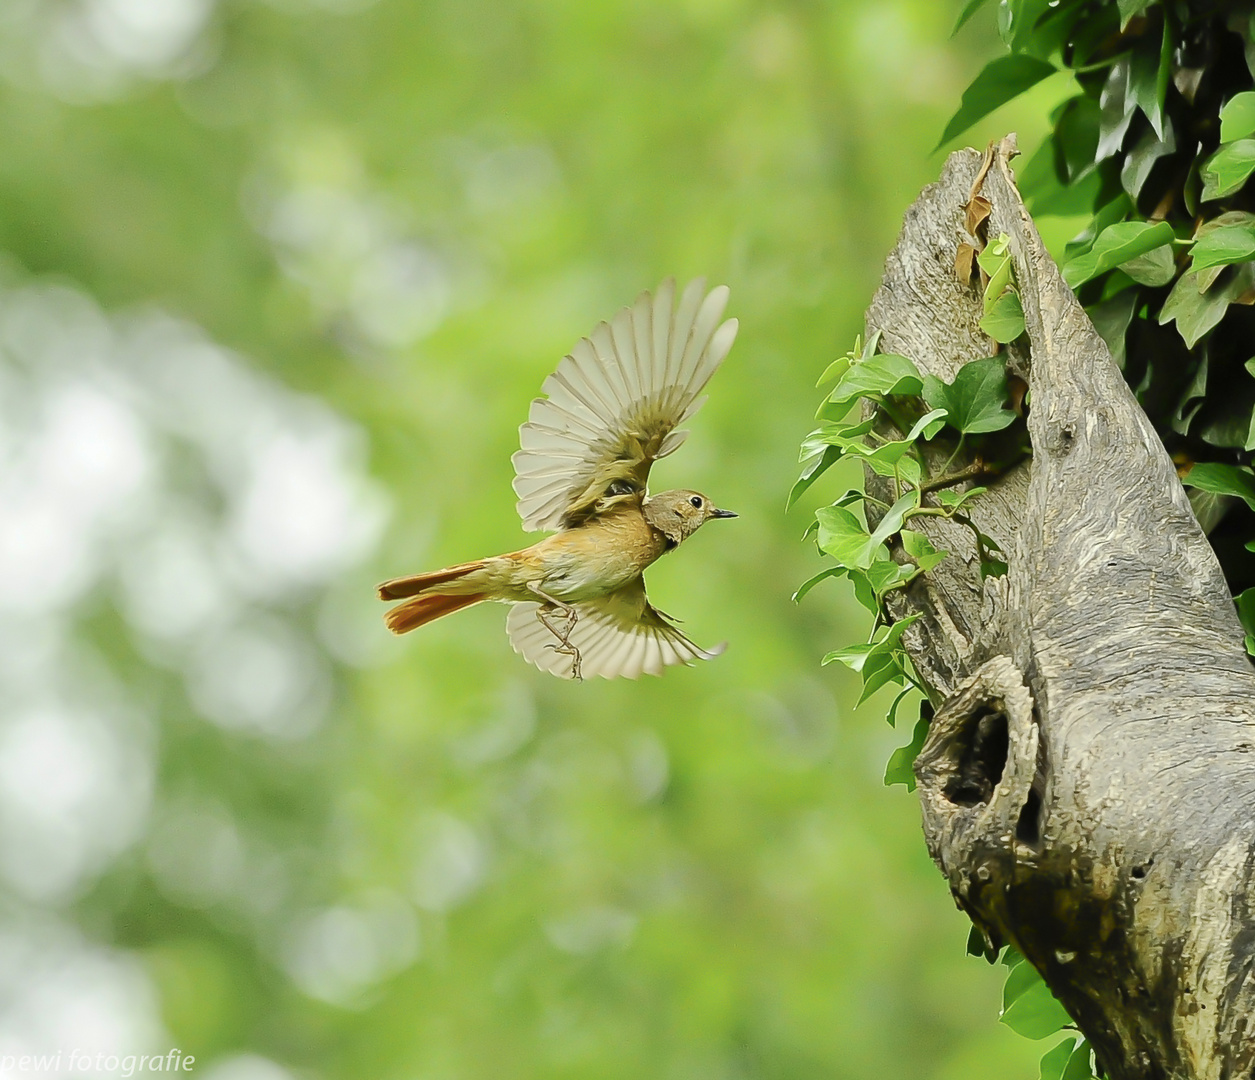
point(1088, 782)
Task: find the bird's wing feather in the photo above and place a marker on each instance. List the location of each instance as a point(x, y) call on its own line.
point(615, 403)
point(618, 634)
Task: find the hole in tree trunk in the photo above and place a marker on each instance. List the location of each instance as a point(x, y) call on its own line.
point(1028, 828)
point(982, 758)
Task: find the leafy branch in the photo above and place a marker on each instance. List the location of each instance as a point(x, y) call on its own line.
point(892, 398)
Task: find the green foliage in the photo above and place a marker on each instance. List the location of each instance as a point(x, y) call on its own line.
point(400, 216)
point(1028, 1006)
point(1002, 79)
point(1155, 147)
point(1070, 1060)
point(1246, 612)
point(894, 397)
point(976, 402)
point(1223, 480)
point(1004, 321)
point(1224, 245)
point(900, 768)
point(1004, 314)
point(1115, 246)
point(1237, 118)
point(1227, 169)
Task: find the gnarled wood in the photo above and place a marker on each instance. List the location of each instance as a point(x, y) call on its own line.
point(1088, 783)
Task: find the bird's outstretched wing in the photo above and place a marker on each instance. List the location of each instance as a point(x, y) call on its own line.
point(619, 634)
point(615, 402)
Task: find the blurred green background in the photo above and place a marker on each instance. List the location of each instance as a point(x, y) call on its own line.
point(277, 283)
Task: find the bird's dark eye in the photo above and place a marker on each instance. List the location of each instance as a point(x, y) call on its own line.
point(695, 501)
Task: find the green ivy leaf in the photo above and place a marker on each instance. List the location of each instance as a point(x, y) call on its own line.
point(885, 574)
point(1091, 38)
point(1246, 612)
point(1076, 136)
point(1039, 27)
point(855, 657)
point(1228, 244)
point(995, 260)
point(834, 433)
point(891, 717)
point(823, 575)
point(1223, 480)
point(974, 401)
point(1112, 318)
point(1116, 110)
point(1078, 1067)
point(1029, 1008)
point(977, 945)
point(927, 425)
point(1108, 214)
point(1228, 169)
point(815, 468)
point(918, 546)
point(1192, 397)
point(896, 514)
point(1156, 267)
point(879, 672)
point(1249, 444)
point(969, 9)
point(1056, 1060)
point(899, 769)
point(952, 499)
point(1208, 508)
point(990, 565)
point(1005, 321)
point(889, 459)
point(1196, 311)
point(882, 374)
point(863, 591)
point(845, 538)
point(835, 370)
point(1130, 8)
point(1022, 977)
point(1001, 80)
point(1237, 118)
point(861, 351)
point(1146, 86)
point(1141, 159)
point(1117, 244)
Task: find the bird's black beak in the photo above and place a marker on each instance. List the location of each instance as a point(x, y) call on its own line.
point(722, 513)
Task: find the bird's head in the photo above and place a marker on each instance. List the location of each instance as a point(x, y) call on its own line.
point(679, 514)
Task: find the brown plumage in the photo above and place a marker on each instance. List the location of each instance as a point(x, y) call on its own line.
point(423, 609)
point(613, 406)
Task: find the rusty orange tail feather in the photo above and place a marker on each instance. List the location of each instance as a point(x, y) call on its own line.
point(400, 588)
point(423, 609)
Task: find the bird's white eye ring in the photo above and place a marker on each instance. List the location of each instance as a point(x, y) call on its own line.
point(696, 502)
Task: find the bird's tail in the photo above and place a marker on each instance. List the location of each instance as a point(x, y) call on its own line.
point(400, 588)
point(423, 609)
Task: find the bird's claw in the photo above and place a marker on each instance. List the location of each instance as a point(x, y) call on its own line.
point(563, 644)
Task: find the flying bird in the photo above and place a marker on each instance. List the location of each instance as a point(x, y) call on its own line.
point(613, 408)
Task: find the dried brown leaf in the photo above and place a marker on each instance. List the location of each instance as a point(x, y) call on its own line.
point(978, 211)
point(964, 260)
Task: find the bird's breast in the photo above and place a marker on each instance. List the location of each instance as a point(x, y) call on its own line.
point(599, 557)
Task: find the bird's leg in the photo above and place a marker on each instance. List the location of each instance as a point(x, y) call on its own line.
point(570, 616)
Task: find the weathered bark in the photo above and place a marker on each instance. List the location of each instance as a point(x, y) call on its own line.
point(1088, 782)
